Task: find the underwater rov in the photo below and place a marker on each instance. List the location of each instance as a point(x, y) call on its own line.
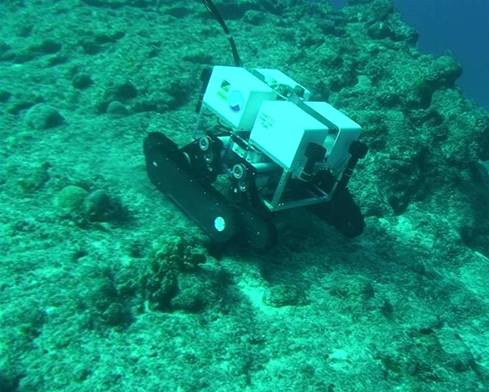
point(260, 146)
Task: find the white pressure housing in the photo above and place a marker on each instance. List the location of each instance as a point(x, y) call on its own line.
point(281, 128)
point(282, 131)
point(337, 144)
point(235, 95)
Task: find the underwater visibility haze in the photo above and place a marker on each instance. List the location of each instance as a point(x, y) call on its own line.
point(457, 27)
point(110, 276)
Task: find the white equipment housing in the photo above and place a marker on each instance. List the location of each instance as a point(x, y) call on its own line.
point(338, 142)
point(283, 131)
point(235, 95)
point(279, 123)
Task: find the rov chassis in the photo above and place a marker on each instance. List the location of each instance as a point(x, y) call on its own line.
point(260, 146)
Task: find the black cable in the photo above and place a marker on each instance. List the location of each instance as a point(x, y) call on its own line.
point(212, 8)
